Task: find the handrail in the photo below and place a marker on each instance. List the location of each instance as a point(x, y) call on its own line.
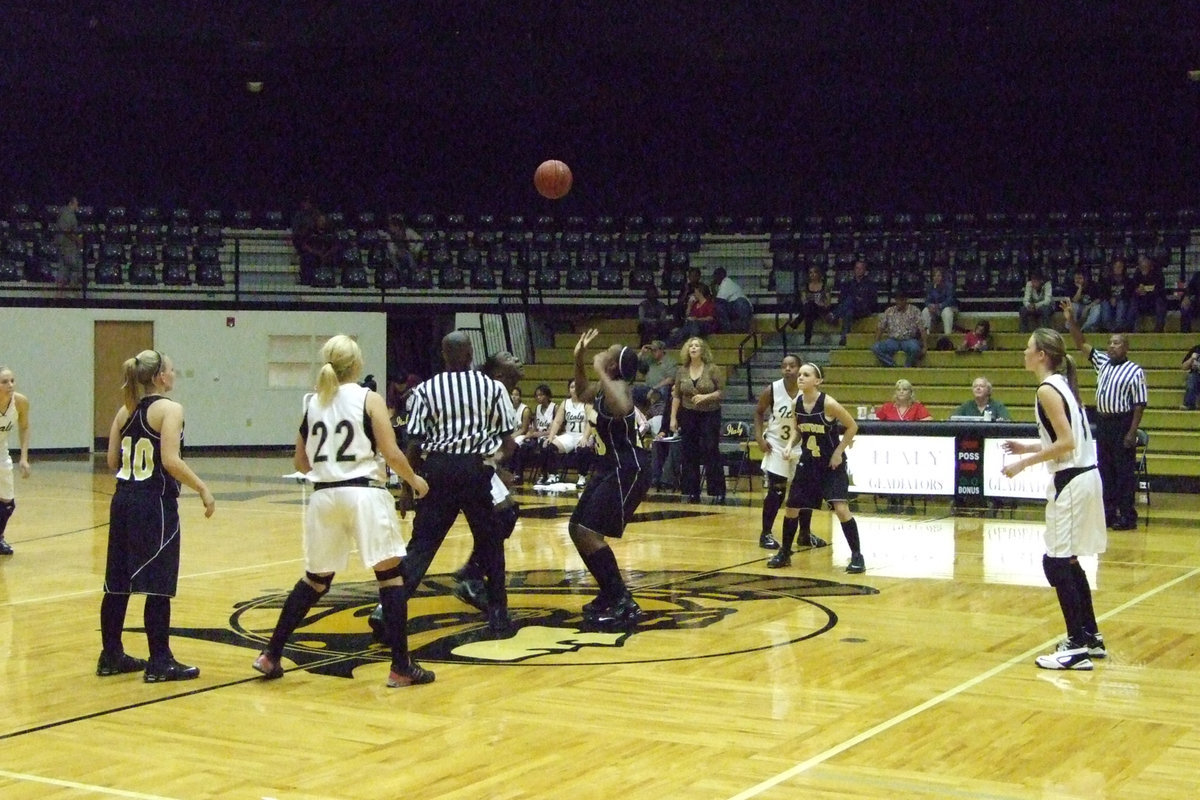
point(744, 359)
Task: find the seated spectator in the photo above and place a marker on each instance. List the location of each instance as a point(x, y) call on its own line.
point(685, 295)
point(303, 222)
point(1087, 301)
point(701, 319)
point(857, 298)
point(1189, 302)
point(1117, 293)
point(1149, 293)
point(978, 340)
point(524, 415)
point(940, 302)
point(734, 311)
point(904, 406)
point(1191, 392)
point(654, 318)
point(1037, 305)
point(981, 402)
point(814, 303)
point(660, 370)
point(900, 328)
point(318, 249)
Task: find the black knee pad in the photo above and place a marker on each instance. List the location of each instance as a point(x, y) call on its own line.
point(382, 575)
point(776, 485)
point(1058, 570)
point(320, 580)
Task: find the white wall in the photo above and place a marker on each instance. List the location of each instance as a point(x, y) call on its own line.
point(221, 371)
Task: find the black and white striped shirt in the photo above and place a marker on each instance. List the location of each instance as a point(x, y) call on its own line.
point(463, 412)
point(1119, 387)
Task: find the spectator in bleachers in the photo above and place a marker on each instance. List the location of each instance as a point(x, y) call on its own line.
point(1191, 391)
point(814, 303)
point(1037, 304)
point(1189, 302)
point(70, 245)
point(685, 294)
point(900, 328)
point(978, 340)
point(303, 223)
point(734, 310)
point(940, 302)
point(1086, 300)
point(981, 402)
point(857, 298)
point(701, 318)
point(1117, 291)
point(654, 319)
point(903, 406)
point(404, 244)
point(1149, 293)
point(660, 369)
point(317, 250)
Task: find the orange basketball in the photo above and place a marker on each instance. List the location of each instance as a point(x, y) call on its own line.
point(552, 179)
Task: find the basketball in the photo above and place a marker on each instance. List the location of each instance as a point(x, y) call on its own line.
point(552, 179)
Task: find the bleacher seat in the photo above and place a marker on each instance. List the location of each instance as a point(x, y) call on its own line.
point(354, 269)
point(208, 266)
point(176, 265)
point(143, 267)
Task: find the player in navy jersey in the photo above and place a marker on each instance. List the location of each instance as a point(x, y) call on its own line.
point(619, 480)
point(1074, 499)
point(344, 440)
point(144, 444)
point(821, 474)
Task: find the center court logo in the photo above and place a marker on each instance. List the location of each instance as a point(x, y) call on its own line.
point(686, 615)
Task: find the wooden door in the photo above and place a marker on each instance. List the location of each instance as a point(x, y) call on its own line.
point(113, 343)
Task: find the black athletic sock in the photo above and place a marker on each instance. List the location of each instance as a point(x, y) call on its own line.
point(302, 598)
point(395, 623)
point(805, 520)
point(789, 533)
point(7, 507)
point(603, 566)
point(157, 618)
point(850, 531)
point(771, 505)
point(1072, 611)
point(1084, 590)
point(112, 621)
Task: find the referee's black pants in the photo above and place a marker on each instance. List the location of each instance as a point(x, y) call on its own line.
point(1117, 466)
point(456, 483)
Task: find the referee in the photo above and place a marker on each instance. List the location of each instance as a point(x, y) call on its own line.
point(458, 418)
point(1120, 401)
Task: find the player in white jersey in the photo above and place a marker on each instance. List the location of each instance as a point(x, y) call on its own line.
point(1074, 498)
point(344, 439)
point(773, 419)
point(531, 452)
point(568, 433)
point(14, 415)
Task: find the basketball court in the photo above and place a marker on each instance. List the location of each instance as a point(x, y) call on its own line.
point(914, 680)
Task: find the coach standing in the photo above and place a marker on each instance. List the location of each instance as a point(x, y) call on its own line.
point(1120, 400)
point(459, 417)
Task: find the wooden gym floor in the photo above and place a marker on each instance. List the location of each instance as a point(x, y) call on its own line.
point(915, 680)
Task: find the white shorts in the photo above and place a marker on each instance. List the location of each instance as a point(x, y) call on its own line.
point(7, 487)
point(567, 442)
point(1075, 519)
point(344, 517)
point(776, 464)
point(499, 490)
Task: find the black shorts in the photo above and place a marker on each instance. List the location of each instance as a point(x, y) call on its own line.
point(814, 483)
point(609, 500)
point(143, 544)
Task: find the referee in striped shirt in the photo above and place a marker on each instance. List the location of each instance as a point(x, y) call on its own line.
point(1120, 400)
point(458, 418)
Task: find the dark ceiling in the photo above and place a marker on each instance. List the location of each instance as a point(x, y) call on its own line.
point(670, 105)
